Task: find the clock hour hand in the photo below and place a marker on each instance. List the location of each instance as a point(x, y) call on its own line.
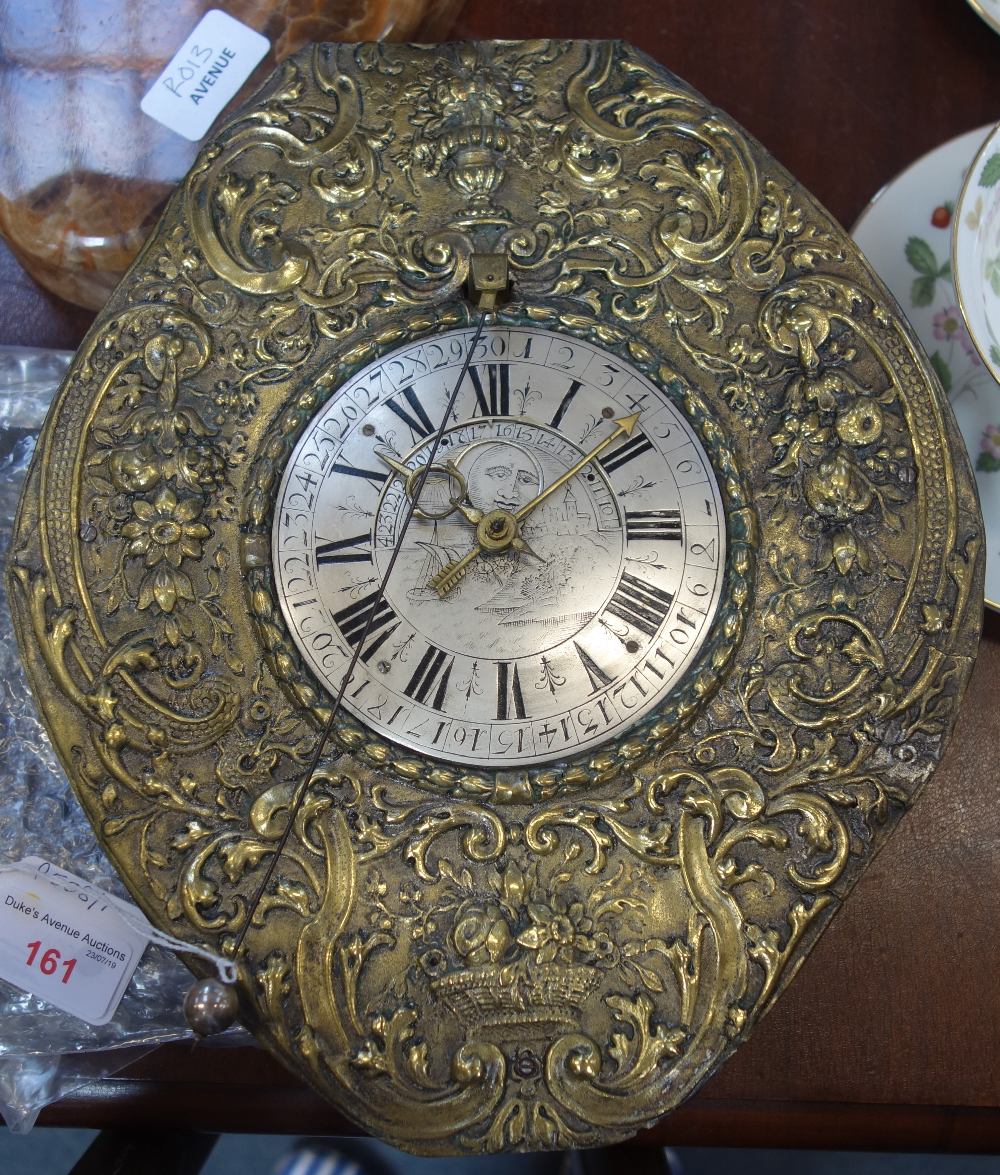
point(449, 576)
point(415, 479)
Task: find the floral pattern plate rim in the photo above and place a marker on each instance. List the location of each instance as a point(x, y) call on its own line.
point(989, 10)
point(905, 232)
point(975, 251)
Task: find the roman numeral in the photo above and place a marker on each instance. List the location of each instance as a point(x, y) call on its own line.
point(635, 446)
point(598, 678)
point(640, 604)
point(378, 642)
point(416, 419)
point(510, 700)
point(373, 475)
point(339, 550)
point(434, 670)
point(653, 524)
point(493, 400)
point(364, 616)
point(565, 402)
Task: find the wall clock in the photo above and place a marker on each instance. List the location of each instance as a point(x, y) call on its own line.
point(498, 568)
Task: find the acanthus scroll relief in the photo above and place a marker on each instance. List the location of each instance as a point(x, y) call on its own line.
point(466, 963)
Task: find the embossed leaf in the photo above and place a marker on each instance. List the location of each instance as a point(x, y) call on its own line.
point(498, 940)
point(193, 832)
point(568, 283)
point(164, 590)
point(288, 895)
point(858, 653)
point(533, 937)
point(808, 256)
point(620, 1050)
point(418, 1064)
point(514, 885)
point(202, 892)
point(273, 979)
point(710, 171)
point(770, 219)
point(462, 878)
point(649, 978)
point(765, 948)
point(155, 356)
point(815, 829)
point(242, 855)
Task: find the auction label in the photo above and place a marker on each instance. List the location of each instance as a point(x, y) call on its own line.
point(64, 940)
point(204, 73)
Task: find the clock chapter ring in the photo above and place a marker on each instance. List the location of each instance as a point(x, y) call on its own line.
point(651, 734)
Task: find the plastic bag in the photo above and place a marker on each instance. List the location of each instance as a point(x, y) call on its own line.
point(46, 1053)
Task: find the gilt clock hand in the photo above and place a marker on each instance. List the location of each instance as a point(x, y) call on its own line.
point(499, 530)
point(624, 427)
point(414, 480)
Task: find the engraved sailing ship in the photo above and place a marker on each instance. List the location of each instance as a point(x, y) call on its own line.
point(437, 556)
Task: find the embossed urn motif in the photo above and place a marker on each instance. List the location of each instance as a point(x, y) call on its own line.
point(591, 793)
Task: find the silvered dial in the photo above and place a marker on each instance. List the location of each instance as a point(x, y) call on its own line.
point(562, 570)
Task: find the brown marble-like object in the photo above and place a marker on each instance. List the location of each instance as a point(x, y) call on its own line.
point(83, 172)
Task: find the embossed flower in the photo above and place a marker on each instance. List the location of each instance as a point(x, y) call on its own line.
point(433, 963)
point(935, 618)
point(165, 529)
point(163, 533)
point(557, 931)
point(860, 424)
point(804, 435)
point(201, 466)
point(606, 951)
point(134, 470)
point(837, 489)
point(233, 401)
point(481, 933)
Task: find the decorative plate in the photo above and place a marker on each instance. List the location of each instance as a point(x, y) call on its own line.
point(989, 10)
point(905, 232)
point(975, 250)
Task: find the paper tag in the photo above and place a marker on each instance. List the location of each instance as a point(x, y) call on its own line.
point(63, 940)
point(207, 70)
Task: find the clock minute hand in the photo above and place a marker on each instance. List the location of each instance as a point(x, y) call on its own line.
point(499, 530)
point(625, 427)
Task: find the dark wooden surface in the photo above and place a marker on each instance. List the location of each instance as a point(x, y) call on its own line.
point(889, 1036)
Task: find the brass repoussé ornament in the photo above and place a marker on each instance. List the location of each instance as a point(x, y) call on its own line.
point(650, 607)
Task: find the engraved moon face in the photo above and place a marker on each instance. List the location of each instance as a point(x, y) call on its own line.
point(580, 619)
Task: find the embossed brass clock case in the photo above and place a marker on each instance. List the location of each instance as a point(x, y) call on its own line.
point(477, 959)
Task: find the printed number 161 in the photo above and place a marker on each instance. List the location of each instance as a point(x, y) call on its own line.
point(48, 962)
